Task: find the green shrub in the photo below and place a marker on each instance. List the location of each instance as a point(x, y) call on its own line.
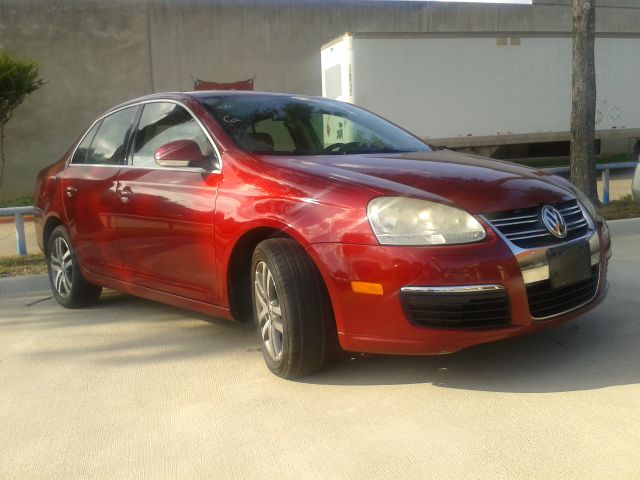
point(18, 78)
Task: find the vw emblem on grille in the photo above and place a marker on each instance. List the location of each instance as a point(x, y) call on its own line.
point(553, 221)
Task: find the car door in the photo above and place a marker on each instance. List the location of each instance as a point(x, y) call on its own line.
point(166, 215)
point(89, 191)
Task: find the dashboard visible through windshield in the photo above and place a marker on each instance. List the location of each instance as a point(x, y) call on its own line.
point(286, 125)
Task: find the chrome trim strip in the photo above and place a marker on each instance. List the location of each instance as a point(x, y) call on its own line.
point(144, 102)
point(173, 169)
point(519, 218)
point(528, 236)
point(575, 208)
point(582, 222)
point(97, 165)
point(120, 167)
point(517, 222)
point(526, 233)
point(454, 289)
point(569, 213)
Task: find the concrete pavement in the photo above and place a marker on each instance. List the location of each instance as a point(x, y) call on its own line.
point(8, 242)
point(135, 389)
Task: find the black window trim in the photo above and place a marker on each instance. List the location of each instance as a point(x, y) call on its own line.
point(217, 168)
point(99, 120)
point(84, 161)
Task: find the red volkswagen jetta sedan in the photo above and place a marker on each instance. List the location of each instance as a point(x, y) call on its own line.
point(322, 222)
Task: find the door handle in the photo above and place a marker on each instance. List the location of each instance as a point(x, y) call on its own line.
point(70, 191)
point(125, 194)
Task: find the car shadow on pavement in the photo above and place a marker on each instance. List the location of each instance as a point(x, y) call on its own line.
point(596, 351)
point(599, 350)
point(122, 330)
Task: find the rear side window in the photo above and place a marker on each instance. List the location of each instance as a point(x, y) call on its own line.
point(108, 146)
point(80, 155)
point(162, 123)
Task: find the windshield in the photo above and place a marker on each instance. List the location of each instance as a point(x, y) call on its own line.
point(281, 125)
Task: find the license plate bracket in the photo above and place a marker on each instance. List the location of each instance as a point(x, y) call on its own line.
point(569, 264)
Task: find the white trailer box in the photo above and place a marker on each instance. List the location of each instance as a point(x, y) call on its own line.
point(482, 90)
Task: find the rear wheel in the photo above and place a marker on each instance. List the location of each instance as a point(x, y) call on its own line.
point(291, 309)
point(68, 285)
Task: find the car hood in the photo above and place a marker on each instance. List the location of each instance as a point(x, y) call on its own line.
point(476, 184)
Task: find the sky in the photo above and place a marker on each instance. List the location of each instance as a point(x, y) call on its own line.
point(487, 1)
point(526, 2)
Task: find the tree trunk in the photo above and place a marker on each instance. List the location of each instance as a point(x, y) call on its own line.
point(2, 160)
point(583, 105)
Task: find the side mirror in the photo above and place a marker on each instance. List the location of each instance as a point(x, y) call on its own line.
point(180, 153)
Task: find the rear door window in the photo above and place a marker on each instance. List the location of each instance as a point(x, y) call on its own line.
point(80, 154)
point(109, 144)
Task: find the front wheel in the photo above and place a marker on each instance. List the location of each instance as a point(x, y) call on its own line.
point(68, 285)
point(291, 308)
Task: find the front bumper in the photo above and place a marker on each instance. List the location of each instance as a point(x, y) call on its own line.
point(379, 323)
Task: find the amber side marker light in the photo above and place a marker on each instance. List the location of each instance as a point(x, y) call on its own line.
point(366, 287)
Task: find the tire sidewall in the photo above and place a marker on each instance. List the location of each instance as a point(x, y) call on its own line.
point(276, 366)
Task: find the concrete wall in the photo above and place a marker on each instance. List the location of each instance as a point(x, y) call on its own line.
point(95, 54)
point(91, 55)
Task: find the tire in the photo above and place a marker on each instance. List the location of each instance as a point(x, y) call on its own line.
point(291, 308)
point(68, 285)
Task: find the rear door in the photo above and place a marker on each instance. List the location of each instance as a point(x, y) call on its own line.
point(166, 215)
point(89, 190)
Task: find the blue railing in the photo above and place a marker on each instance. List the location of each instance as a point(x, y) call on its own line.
point(18, 217)
point(605, 168)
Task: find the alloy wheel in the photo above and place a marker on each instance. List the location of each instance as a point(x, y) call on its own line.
point(61, 265)
point(269, 312)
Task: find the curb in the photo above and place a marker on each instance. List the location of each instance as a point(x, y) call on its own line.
point(24, 284)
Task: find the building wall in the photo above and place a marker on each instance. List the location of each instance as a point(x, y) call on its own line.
point(95, 54)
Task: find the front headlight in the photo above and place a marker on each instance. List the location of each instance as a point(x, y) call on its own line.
point(407, 221)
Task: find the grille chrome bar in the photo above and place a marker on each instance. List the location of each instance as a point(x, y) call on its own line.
point(527, 235)
point(524, 228)
point(515, 222)
point(569, 210)
point(577, 223)
point(520, 219)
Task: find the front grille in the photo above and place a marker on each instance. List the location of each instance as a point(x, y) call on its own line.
point(545, 301)
point(466, 310)
point(524, 228)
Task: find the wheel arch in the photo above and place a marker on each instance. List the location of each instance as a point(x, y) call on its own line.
point(238, 273)
point(49, 226)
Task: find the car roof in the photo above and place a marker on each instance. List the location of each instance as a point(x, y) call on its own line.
point(202, 94)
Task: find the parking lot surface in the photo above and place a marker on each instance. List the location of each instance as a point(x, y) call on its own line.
point(135, 389)
point(8, 242)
